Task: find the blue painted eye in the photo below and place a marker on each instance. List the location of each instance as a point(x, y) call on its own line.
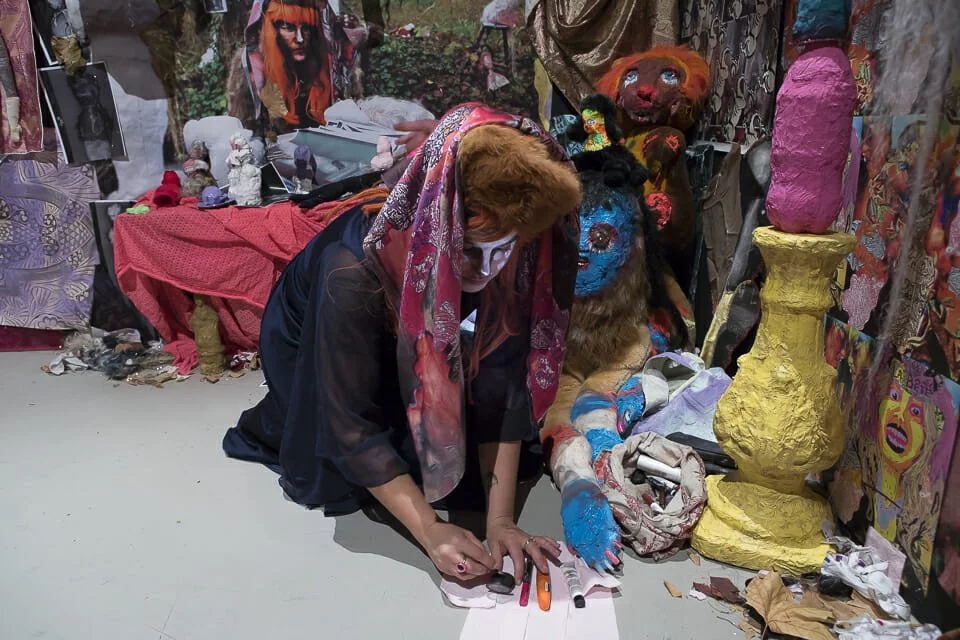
point(630, 78)
point(669, 76)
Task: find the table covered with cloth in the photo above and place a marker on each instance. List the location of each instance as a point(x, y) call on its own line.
point(232, 256)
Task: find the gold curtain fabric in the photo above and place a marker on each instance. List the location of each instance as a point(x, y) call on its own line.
point(578, 39)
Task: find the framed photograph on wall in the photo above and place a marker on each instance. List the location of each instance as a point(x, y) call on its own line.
point(58, 19)
point(215, 6)
point(85, 113)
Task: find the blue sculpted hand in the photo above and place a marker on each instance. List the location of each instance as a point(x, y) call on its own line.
point(631, 403)
point(601, 440)
point(588, 524)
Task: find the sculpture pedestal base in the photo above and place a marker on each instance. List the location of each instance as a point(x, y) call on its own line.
point(754, 527)
point(779, 420)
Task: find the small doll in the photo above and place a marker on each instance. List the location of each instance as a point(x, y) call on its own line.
point(198, 176)
point(243, 174)
point(198, 151)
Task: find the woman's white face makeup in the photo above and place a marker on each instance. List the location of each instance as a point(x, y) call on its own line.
point(483, 261)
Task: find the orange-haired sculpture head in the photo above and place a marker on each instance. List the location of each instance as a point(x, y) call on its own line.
point(665, 86)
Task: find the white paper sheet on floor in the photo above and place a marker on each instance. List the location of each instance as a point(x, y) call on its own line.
point(502, 617)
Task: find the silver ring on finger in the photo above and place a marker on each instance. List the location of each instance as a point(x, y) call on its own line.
point(527, 541)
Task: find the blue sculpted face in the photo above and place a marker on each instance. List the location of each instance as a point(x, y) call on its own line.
point(607, 231)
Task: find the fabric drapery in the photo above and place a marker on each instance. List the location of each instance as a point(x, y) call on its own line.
point(17, 34)
point(577, 40)
point(48, 252)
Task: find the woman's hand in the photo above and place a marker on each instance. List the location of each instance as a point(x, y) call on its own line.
point(506, 538)
point(588, 524)
point(456, 552)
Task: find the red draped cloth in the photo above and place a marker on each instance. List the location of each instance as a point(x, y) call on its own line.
point(232, 256)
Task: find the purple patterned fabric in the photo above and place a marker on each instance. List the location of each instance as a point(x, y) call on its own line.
point(47, 247)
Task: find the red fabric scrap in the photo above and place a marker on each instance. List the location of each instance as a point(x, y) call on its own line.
point(232, 256)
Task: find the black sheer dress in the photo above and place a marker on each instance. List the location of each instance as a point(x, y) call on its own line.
point(333, 422)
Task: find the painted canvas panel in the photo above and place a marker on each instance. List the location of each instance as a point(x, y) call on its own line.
point(889, 149)
point(942, 605)
point(941, 339)
point(47, 247)
point(866, 23)
point(900, 439)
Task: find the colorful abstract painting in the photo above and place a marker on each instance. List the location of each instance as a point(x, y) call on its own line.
point(889, 158)
point(900, 437)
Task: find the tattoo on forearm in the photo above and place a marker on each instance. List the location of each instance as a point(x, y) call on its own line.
point(491, 480)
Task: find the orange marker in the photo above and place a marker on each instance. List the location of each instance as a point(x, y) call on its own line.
point(543, 590)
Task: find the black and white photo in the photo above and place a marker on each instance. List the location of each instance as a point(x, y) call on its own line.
point(58, 20)
point(215, 6)
point(85, 113)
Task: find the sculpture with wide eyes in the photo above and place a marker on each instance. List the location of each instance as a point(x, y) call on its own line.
point(607, 232)
point(626, 308)
point(658, 94)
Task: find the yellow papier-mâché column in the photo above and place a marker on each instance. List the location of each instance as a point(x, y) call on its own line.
point(780, 419)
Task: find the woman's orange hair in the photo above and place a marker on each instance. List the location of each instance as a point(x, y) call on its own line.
point(278, 69)
point(696, 73)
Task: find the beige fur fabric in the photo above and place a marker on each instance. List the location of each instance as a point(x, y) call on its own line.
point(511, 176)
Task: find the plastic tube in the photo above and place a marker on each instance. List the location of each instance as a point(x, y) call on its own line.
point(572, 578)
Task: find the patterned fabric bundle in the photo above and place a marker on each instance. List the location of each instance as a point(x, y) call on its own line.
point(649, 532)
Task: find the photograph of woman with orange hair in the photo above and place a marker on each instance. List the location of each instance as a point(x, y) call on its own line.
point(301, 57)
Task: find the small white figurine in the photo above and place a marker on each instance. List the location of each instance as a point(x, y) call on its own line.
point(243, 174)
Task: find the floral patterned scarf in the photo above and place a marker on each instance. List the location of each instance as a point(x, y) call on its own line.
point(416, 246)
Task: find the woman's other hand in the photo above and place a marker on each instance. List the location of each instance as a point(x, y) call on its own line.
point(417, 132)
point(588, 524)
point(456, 552)
point(506, 538)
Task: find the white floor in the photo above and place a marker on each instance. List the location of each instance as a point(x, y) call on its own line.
point(121, 519)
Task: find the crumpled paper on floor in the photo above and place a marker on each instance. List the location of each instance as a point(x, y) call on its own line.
point(502, 617)
point(867, 628)
point(858, 567)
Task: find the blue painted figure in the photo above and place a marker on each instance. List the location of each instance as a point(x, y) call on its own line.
point(623, 286)
point(607, 232)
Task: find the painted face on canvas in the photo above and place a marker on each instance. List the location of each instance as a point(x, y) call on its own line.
point(607, 234)
point(483, 261)
point(902, 434)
